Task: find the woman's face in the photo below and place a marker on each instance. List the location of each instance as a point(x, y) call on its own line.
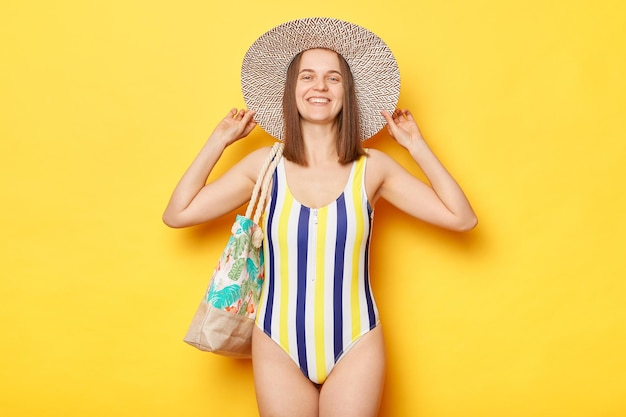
point(319, 86)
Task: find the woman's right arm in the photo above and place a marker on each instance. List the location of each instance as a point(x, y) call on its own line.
point(193, 200)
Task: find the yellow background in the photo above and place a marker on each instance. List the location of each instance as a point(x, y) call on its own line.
point(105, 103)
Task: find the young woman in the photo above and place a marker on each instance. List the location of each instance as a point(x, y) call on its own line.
point(317, 348)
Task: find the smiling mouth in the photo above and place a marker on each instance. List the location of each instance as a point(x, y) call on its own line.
point(318, 100)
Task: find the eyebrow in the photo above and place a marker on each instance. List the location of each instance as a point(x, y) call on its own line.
point(310, 70)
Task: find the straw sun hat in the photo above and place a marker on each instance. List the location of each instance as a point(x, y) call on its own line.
point(373, 66)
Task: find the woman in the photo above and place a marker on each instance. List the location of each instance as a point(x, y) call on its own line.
point(317, 348)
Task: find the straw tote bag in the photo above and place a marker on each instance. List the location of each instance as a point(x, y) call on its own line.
point(224, 319)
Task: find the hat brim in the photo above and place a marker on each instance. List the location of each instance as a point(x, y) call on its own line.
point(374, 69)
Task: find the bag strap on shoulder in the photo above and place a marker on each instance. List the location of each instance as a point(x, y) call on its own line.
point(263, 181)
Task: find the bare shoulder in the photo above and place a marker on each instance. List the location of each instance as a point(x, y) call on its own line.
point(376, 155)
point(379, 162)
point(258, 155)
point(251, 164)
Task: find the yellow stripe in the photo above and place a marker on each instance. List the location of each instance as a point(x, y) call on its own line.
point(283, 232)
point(320, 348)
point(358, 210)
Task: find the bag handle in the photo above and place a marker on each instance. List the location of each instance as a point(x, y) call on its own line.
point(262, 182)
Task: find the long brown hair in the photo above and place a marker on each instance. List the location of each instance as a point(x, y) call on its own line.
point(349, 125)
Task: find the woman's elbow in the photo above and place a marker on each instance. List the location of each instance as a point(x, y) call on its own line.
point(172, 220)
point(466, 224)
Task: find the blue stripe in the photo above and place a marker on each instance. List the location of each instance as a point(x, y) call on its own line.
point(340, 247)
point(267, 323)
point(303, 242)
point(368, 290)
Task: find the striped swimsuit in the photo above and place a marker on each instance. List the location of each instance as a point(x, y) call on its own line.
point(316, 301)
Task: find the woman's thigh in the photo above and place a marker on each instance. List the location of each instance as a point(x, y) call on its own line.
point(355, 385)
point(281, 387)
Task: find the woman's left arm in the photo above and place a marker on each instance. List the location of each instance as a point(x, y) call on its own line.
point(443, 203)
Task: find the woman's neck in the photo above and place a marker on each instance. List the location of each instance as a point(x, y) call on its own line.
point(320, 142)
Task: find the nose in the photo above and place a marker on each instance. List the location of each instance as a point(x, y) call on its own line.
point(320, 84)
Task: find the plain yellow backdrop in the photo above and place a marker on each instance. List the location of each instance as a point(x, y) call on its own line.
point(105, 103)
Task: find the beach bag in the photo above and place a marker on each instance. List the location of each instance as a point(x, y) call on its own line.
point(224, 319)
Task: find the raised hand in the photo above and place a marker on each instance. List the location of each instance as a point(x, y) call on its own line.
point(402, 127)
point(236, 125)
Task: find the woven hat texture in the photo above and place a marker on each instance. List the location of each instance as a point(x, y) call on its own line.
point(373, 66)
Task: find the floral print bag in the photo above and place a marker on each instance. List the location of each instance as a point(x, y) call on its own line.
point(224, 319)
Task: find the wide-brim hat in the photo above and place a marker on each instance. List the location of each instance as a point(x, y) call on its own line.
point(373, 66)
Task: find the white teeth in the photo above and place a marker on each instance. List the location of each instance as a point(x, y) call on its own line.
point(318, 100)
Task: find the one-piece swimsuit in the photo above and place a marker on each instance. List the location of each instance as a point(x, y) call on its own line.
point(317, 301)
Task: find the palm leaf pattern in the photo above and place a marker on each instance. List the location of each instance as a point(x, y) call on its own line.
point(225, 297)
point(236, 269)
point(238, 278)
